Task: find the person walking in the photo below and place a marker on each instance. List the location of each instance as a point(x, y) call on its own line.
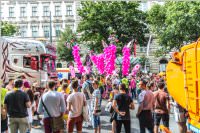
point(87, 90)
point(146, 102)
point(113, 114)
point(133, 87)
point(121, 104)
point(75, 102)
point(52, 104)
point(96, 107)
point(180, 115)
point(30, 110)
point(161, 107)
point(16, 104)
point(10, 84)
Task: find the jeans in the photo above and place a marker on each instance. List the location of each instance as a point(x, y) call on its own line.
point(133, 93)
point(15, 124)
point(126, 123)
point(146, 121)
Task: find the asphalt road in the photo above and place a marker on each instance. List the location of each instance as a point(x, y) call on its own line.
point(106, 125)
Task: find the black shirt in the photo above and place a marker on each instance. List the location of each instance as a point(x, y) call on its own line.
point(123, 102)
point(16, 104)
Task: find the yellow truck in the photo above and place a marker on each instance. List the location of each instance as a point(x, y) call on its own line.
point(183, 82)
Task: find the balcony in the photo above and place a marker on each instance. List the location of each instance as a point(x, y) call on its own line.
point(23, 18)
point(46, 18)
point(69, 18)
point(57, 19)
point(34, 18)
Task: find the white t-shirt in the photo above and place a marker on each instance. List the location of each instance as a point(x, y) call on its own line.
point(76, 99)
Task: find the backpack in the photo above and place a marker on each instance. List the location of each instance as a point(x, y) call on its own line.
point(90, 87)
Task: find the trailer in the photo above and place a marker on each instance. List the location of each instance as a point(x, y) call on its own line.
point(33, 59)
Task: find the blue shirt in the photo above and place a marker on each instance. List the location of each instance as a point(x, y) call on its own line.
point(54, 102)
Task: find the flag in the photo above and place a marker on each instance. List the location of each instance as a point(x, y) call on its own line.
point(134, 46)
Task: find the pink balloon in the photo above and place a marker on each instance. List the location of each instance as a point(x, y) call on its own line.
point(77, 58)
point(98, 60)
point(109, 59)
point(126, 60)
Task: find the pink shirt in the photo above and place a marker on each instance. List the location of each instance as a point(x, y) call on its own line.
point(132, 84)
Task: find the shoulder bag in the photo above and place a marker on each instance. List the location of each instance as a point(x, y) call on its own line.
point(56, 123)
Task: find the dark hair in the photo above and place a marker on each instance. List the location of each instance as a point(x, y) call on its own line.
point(30, 94)
point(10, 80)
point(151, 84)
point(52, 84)
point(115, 87)
point(75, 84)
point(144, 81)
point(122, 87)
point(64, 86)
point(96, 82)
point(18, 83)
point(161, 85)
point(87, 76)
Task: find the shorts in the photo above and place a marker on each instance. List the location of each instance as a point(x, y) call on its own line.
point(164, 117)
point(95, 121)
point(78, 121)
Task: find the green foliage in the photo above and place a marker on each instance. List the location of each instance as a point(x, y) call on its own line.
point(100, 19)
point(8, 29)
point(64, 53)
point(142, 60)
point(175, 23)
point(161, 52)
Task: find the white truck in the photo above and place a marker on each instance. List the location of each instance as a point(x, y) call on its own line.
point(33, 59)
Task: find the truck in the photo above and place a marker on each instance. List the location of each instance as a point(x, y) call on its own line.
point(183, 81)
point(32, 59)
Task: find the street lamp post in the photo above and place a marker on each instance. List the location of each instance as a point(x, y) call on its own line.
point(50, 29)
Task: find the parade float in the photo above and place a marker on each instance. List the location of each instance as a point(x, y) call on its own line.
point(33, 59)
point(183, 76)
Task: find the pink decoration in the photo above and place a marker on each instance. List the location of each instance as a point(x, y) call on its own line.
point(72, 71)
point(109, 59)
point(126, 60)
point(77, 58)
point(136, 69)
point(98, 60)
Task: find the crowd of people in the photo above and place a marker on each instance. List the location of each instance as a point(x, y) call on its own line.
point(77, 102)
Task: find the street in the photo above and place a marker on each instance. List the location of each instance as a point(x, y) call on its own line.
point(106, 125)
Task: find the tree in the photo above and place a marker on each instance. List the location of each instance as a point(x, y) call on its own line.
point(175, 23)
point(8, 29)
point(100, 19)
point(65, 53)
point(143, 60)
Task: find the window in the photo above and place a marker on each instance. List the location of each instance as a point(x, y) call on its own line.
point(46, 31)
point(23, 30)
point(143, 49)
point(34, 11)
point(27, 62)
point(46, 11)
point(34, 31)
point(22, 11)
point(11, 11)
point(58, 27)
point(69, 10)
point(57, 11)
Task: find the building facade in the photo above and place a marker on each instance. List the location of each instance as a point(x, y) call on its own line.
point(33, 16)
